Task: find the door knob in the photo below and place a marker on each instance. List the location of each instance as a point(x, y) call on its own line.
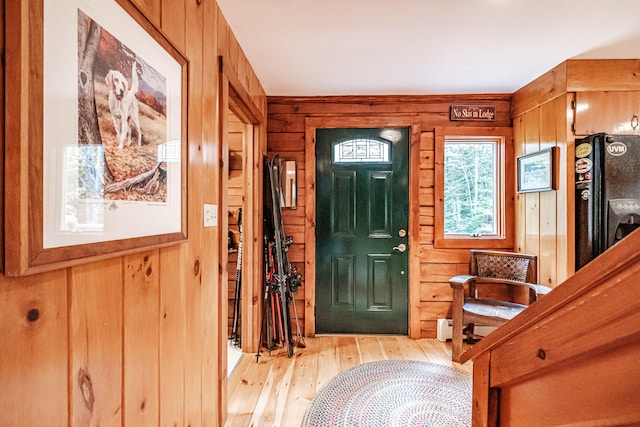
point(400, 248)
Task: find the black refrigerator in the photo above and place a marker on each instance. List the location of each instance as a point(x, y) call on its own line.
point(607, 169)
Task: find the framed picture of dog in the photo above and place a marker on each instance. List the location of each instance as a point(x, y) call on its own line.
point(96, 150)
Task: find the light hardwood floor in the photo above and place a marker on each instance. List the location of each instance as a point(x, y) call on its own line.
point(277, 390)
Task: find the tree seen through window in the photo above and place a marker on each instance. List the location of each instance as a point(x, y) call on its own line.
point(470, 187)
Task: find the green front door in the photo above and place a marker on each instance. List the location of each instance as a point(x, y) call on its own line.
point(362, 180)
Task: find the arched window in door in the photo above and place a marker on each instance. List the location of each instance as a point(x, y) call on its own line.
point(362, 151)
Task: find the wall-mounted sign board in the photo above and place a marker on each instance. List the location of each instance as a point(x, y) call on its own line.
point(483, 113)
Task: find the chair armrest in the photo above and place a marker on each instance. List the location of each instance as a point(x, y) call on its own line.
point(535, 289)
point(542, 290)
point(459, 282)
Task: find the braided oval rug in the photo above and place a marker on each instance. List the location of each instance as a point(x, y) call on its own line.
point(393, 393)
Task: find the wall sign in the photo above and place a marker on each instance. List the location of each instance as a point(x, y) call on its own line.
point(484, 113)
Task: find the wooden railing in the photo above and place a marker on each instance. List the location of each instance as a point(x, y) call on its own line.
point(573, 357)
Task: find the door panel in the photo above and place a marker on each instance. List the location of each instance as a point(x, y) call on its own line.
point(379, 205)
point(343, 219)
point(361, 281)
point(379, 287)
point(343, 283)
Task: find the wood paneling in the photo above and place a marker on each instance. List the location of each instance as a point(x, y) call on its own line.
point(173, 335)
point(426, 219)
point(195, 260)
point(602, 74)
point(614, 371)
point(95, 324)
point(414, 294)
point(547, 268)
point(2, 131)
point(577, 75)
point(174, 19)
point(33, 363)
point(151, 8)
point(139, 339)
point(532, 200)
point(550, 85)
point(289, 121)
point(565, 232)
point(544, 221)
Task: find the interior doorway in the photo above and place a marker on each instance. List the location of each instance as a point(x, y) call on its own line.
point(239, 137)
point(242, 144)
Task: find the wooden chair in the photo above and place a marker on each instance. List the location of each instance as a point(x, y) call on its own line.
point(499, 287)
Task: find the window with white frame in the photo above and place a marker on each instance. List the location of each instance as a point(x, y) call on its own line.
point(474, 194)
point(471, 193)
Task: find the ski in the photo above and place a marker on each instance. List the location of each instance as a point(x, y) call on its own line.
point(279, 243)
point(281, 280)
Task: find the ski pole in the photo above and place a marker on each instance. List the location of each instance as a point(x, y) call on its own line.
point(300, 338)
point(236, 303)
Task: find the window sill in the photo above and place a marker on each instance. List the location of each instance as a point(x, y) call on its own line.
point(473, 243)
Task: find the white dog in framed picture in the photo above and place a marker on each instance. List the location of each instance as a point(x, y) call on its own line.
point(123, 105)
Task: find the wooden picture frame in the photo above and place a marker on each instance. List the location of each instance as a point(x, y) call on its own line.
point(80, 184)
point(536, 171)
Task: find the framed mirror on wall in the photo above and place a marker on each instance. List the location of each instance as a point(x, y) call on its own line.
point(289, 181)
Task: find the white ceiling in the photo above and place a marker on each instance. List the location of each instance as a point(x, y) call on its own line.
point(402, 47)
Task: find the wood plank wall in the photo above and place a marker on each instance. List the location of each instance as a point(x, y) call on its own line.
point(135, 340)
point(286, 136)
point(544, 225)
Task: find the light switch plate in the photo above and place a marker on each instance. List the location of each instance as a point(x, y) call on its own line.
point(210, 215)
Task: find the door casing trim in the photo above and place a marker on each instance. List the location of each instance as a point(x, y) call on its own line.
point(313, 123)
